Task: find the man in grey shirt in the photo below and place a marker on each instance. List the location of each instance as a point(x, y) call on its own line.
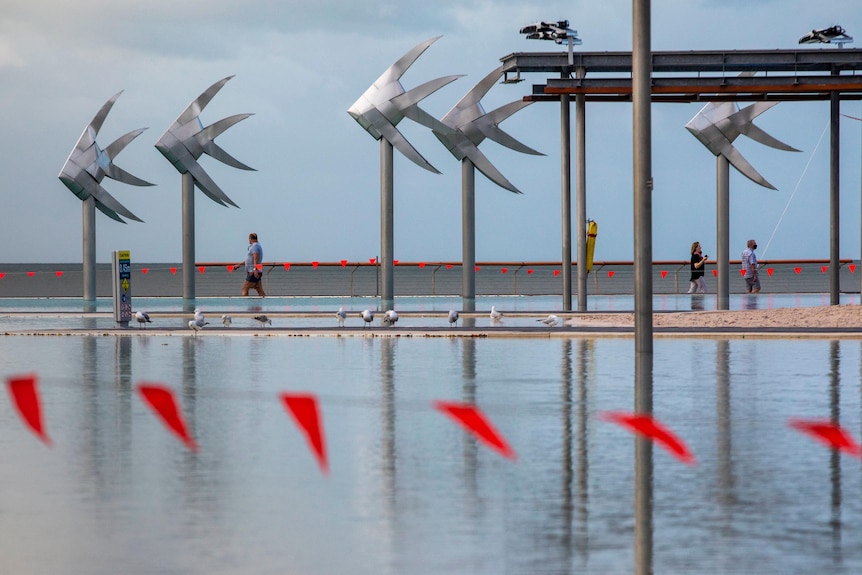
point(749, 266)
point(253, 259)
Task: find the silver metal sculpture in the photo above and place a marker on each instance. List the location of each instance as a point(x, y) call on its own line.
point(88, 164)
point(379, 110)
point(187, 140)
point(717, 125)
point(470, 126)
point(385, 103)
point(184, 142)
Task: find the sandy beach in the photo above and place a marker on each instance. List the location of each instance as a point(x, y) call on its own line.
point(843, 316)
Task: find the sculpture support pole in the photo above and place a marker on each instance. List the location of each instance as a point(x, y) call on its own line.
point(566, 193)
point(188, 202)
point(468, 235)
point(722, 227)
point(387, 217)
point(642, 180)
point(834, 189)
point(581, 193)
point(88, 219)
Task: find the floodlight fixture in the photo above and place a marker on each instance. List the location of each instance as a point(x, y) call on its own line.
point(558, 31)
point(832, 35)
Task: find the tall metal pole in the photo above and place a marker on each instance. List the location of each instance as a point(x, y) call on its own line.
point(834, 188)
point(566, 195)
point(581, 192)
point(722, 227)
point(88, 226)
point(188, 201)
point(387, 225)
point(468, 235)
point(642, 183)
point(642, 146)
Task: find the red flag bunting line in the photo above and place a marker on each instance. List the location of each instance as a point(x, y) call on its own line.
point(304, 409)
point(25, 398)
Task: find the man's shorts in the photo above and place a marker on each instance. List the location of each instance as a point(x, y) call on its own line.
point(251, 278)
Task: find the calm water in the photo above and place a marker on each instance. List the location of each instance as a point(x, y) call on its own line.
point(408, 491)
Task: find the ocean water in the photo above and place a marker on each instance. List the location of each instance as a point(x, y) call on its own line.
point(409, 491)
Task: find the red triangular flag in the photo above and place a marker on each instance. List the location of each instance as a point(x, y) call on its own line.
point(742, 273)
point(477, 268)
point(394, 262)
point(25, 397)
point(372, 261)
point(2, 275)
point(421, 265)
point(286, 266)
point(798, 270)
point(474, 421)
point(314, 264)
point(852, 268)
point(529, 272)
point(824, 269)
point(448, 266)
point(59, 273)
point(715, 273)
point(653, 430)
point(173, 271)
point(306, 413)
point(344, 263)
point(769, 271)
point(202, 269)
point(230, 269)
point(162, 400)
point(663, 274)
point(556, 273)
point(144, 271)
point(829, 433)
point(610, 274)
point(31, 274)
point(504, 270)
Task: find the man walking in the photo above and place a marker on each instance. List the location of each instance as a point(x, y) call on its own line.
point(749, 268)
point(253, 276)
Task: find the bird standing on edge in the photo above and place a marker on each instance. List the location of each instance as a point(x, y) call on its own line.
point(550, 321)
point(225, 320)
point(495, 315)
point(341, 315)
point(262, 320)
point(390, 317)
point(142, 317)
point(367, 316)
point(453, 317)
point(197, 323)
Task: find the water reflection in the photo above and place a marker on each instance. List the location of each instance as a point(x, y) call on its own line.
point(750, 301)
point(643, 467)
point(835, 455)
point(697, 302)
point(726, 495)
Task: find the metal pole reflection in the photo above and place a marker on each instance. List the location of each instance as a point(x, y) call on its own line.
point(723, 417)
point(586, 351)
point(835, 456)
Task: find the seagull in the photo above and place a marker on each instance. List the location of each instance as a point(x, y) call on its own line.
point(341, 315)
point(390, 317)
point(495, 315)
point(197, 324)
point(142, 317)
point(367, 316)
point(453, 317)
point(225, 320)
point(263, 320)
point(550, 321)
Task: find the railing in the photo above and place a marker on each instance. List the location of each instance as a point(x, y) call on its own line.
point(361, 278)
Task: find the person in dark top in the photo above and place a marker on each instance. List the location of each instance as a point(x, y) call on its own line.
point(698, 261)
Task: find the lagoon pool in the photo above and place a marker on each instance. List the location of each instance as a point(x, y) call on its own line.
point(410, 492)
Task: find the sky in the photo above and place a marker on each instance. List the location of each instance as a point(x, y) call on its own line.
point(298, 67)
